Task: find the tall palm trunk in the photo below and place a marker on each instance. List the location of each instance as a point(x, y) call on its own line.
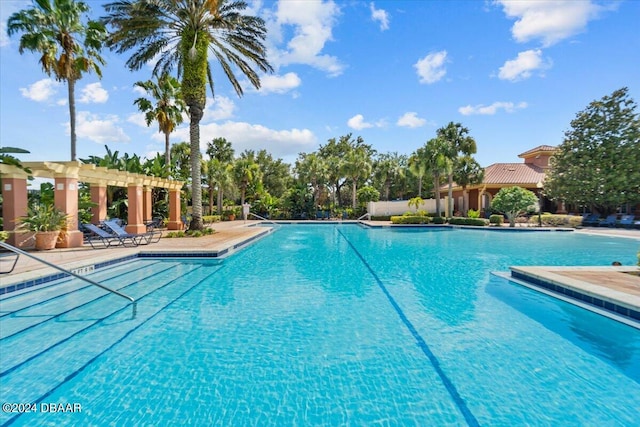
point(167, 152)
point(450, 199)
point(71, 87)
point(354, 202)
point(436, 187)
point(196, 189)
point(220, 194)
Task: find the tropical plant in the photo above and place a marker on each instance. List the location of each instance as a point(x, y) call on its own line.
point(246, 172)
point(6, 157)
point(415, 201)
point(387, 168)
point(356, 166)
point(418, 166)
point(467, 171)
point(68, 41)
point(596, 166)
point(42, 217)
point(368, 194)
point(166, 107)
point(436, 160)
point(180, 34)
point(513, 201)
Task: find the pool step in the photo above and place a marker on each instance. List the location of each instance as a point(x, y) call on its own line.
point(26, 311)
point(37, 377)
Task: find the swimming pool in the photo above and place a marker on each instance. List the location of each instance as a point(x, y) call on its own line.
point(327, 325)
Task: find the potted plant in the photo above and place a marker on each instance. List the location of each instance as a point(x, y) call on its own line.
point(45, 221)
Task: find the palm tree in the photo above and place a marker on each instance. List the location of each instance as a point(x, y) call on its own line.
point(418, 167)
point(457, 142)
point(220, 150)
point(69, 46)
point(167, 110)
point(312, 170)
point(437, 165)
point(357, 165)
point(467, 172)
point(181, 34)
point(387, 168)
point(246, 172)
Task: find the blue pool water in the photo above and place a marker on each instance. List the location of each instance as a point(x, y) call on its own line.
point(327, 325)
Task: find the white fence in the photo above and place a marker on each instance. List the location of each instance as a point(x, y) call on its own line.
point(398, 207)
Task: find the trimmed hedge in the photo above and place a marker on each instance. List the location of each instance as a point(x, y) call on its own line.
point(208, 219)
point(395, 219)
point(380, 217)
point(479, 222)
point(554, 220)
point(439, 220)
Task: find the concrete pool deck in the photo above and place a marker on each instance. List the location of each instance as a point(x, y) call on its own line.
point(609, 283)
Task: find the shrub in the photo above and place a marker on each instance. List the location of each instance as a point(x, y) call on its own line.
point(209, 219)
point(554, 220)
point(380, 217)
point(473, 214)
point(496, 219)
point(479, 222)
point(422, 213)
point(438, 220)
point(404, 219)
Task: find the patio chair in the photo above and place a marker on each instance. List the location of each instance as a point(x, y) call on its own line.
point(591, 219)
point(610, 221)
point(107, 240)
point(143, 238)
point(626, 221)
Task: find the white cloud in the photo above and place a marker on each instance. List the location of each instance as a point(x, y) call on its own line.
point(357, 122)
point(523, 66)
point(138, 119)
point(98, 129)
point(311, 23)
point(41, 91)
point(219, 108)
point(279, 84)
point(411, 120)
point(431, 68)
point(381, 16)
point(8, 8)
point(492, 109)
point(247, 136)
point(93, 93)
point(549, 20)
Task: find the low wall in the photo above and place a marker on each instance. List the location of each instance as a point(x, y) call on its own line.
point(398, 207)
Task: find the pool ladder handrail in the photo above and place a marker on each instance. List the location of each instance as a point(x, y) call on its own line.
point(368, 215)
point(264, 219)
point(47, 263)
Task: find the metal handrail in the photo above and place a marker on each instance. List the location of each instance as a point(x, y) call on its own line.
point(47, 263)
point(367, 215)
point(264, 219)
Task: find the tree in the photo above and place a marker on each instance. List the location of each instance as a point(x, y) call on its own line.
point(467, 172)
point(597, 164)
point(418, 166)
point(436, 160)
point(69, 42)
point(387, 168)
point(513, 201)
point(415, 201)
point(456, 143)
point(220, 149)
point(312, 170)
point(357, 165)
point(246, 172)
point(167, 110)
point(180, 34)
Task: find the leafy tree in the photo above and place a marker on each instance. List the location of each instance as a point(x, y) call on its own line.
point(69, 42)
point(368, 194)
point(312, 169)
point(276, 175)
point(597, 165)
point(513, 201)
point(167, 110)
point(387, 168)
point(219, 175)
point(437, 164)
point(419, 166)
point(456, 142)
point(246, 172)
point(181, 33)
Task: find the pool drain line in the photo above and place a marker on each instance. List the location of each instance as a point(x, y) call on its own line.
point(453, 392)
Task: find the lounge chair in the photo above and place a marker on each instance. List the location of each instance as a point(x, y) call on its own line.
point(143, 238)
point(610, 221)
point(591, 219)
point(626, 221)
point(107, 240)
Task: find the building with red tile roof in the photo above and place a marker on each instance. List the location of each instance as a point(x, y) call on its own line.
point(529, 174)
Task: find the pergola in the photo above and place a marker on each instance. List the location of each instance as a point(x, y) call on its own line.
point(66, 176)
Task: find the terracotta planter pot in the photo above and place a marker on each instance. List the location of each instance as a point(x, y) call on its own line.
point(46, 240)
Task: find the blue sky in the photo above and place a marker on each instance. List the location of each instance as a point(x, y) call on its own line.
point(514, 72)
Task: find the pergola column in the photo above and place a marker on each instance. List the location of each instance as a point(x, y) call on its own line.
point(147, 204)
point(135, 223)
point(99, 197)
point(14, 206)
point(175, 222)
point(65, 198)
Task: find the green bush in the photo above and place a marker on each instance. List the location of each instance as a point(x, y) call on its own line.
point(209, 219)
point(438, 220)
point(404, 219)
point(473, 214)
point(380, 217)
point(554, 220)
point(480, 222)
point(496, 219)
